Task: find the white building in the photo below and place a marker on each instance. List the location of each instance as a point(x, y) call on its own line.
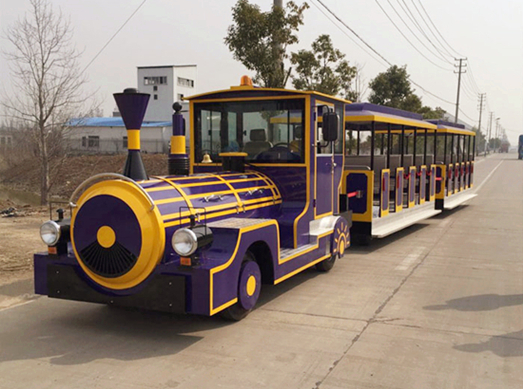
point(109, 136)
point(165, 84)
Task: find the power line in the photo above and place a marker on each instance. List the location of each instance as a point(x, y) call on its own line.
point(347, 35)
point(437, 55)
point(116, 33)
point(354, 32)
point(442, 37)
point(381, 56)
point(410, 15)
point(404, 36)
point(430, 29)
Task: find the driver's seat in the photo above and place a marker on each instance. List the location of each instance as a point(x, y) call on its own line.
point(258, 142)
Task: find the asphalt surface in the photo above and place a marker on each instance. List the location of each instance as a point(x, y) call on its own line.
point(439, 305)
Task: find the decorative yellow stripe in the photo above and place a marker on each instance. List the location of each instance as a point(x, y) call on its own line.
point(240, 204)
point(219, 207)
point(224, 213)
point(175, 186)
point(201, 195)
point(310, 264)
point(178, 144)
point(133, 139)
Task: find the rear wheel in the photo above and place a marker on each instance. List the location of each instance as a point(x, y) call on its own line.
point(249, 287)
point(327, 264)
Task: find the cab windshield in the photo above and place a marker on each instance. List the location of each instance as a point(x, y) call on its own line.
point(268, 131)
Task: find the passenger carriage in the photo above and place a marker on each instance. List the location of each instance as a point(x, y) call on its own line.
point(454, 154)
point(256, 200)
point(390, 173)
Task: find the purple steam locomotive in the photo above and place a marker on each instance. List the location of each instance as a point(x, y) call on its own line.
point(257, 200)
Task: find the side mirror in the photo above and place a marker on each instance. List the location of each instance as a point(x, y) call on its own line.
point(330, 126)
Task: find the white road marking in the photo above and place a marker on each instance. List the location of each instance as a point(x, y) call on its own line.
point(410, 259)
point(17, 305)
point(487, 178)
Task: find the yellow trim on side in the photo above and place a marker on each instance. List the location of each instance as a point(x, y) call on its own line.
point(412, 182)
point(399, 170)
point(423, 171)
point(310, 264)
point(175, 186)
point(384, 212)
point(367, 216)
point(133, 139)
point(441, 194)
point(307, 143)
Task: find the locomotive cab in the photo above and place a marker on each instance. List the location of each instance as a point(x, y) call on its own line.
point(257, 200)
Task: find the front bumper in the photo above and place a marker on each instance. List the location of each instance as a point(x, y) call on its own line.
point(161, 292)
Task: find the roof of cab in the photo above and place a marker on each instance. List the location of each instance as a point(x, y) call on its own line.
point(252, 92)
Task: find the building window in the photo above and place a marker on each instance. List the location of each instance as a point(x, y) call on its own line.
point(185, 82)
point(93, 141)
point(156, 97)
point(180, 96)
point(155, 88)
point(84, 141)
point(2, 140)
point(8, 140)
point(125, 142)
point(160, 80)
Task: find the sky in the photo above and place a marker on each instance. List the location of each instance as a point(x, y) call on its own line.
point(166, 32)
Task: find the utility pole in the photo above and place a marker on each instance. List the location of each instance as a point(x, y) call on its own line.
point(460, 66)
point(490, 128)
point(278, 65)
point(481, 99)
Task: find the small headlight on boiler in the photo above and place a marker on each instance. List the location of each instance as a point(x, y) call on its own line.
point(184, 242)
point(50, 233)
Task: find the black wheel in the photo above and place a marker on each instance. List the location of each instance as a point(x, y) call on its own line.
point(361, 240)
point(249, 286)
point(327, 264)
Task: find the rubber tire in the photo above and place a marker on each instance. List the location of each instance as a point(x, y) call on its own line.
point(236, 312)
point(361, 240)
point(327, 264)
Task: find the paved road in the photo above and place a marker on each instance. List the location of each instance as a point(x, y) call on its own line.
point(439, 305)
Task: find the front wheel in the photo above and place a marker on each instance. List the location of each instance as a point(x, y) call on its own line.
point(249, 287)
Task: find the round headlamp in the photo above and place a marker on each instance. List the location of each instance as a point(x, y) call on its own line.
point(50, 233)
point(184, 242)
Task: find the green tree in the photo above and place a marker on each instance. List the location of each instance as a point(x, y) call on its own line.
point(259, 40)
point(392, 88)
point(323, 69)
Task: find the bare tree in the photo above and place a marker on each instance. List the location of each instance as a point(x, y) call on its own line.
point(46, 80)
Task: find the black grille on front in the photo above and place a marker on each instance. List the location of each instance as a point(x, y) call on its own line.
point(108, 262)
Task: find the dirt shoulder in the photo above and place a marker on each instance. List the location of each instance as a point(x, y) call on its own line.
point(19, 229)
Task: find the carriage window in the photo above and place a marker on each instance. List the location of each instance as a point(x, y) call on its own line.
point(268, 131)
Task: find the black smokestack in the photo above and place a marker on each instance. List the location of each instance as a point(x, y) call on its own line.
point(132, 106)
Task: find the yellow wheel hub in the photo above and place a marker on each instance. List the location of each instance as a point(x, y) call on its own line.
point(251, 285)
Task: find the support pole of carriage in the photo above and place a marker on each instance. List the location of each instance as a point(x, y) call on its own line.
point(445, 150)
point(425, 148)
point(373, 127)
point(414, 146)
point(435, 145)
point(388, 145)
point(358, 144)
point(402, 145)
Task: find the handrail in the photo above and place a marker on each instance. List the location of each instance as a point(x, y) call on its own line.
point(111, 175)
